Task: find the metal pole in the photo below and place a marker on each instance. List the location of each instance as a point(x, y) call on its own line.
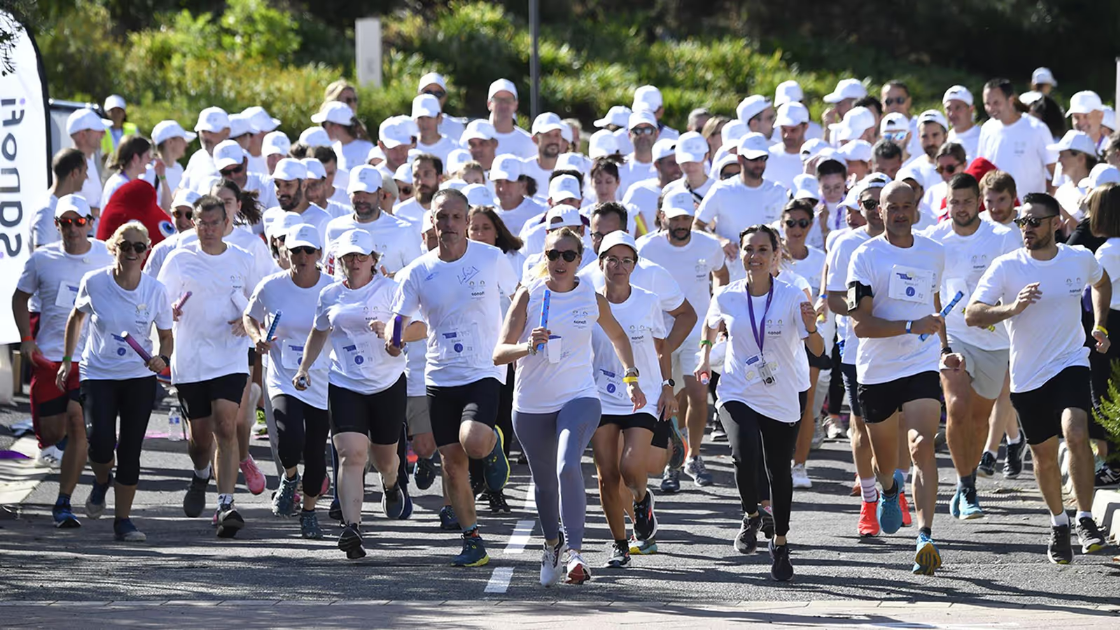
point(534, 58)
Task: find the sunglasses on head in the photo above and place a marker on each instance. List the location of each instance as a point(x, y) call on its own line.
point(643, 131)
point(233, 170)
point(1032, 221)
point(302, 249)
point(869, 204)
point(798, 222)
point(134, 246)
point(948, 168)
point(80, 222)
point(897, 100)
point(568, 254)
point(436, 93)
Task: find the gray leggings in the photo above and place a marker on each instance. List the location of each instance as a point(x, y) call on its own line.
point(554, 444)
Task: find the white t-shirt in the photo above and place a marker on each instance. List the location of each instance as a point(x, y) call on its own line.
point(970, 140)
point(691, 266)
point(516, 218)
point(263, 263)
point(839, 256)
point(966, 259)
point(934, 198)
point(43, 230)
point(562, 371)
point(278, 293)
point(904, 283)
point(1047, 336)
point(782, 167)
point(53, 277)
point(452, 127)
point(734, 206)
point(631, 172)
point(533, 169)
point(265, 189)
point(392, 238)
point(115, 181)
point(640, 317)
point(698, 193)
point(927, 168)
point(220, 286)
point(410, 211)
point(811, 268)
point(781, 341)
point(92, 189)
point(313, 215)
point(801, 365)
point(461, 302)
point(113, 310)
point(159, 253)
point(200, 170)
point(641, 199)
point(651, 277)
point(353, 154)
point(1019, 149)
point(517, 142)
point(359, 361)
point(1108, 255)
point(440, 149)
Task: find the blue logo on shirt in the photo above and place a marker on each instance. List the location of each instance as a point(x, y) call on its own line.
point(904, 276)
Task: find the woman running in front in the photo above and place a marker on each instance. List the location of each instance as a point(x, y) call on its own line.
point(622, 443)
point(123, 304)
point(287, 300)
point(366, 387)
point(758, 392)
point(556, 405)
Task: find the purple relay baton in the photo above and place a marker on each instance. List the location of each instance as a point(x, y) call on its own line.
point(397, 321)
point(135, 345)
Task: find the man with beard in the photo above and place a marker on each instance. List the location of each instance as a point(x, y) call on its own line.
point(695, 260)
point(932, 130)
point(394, 240)
point(288, 178)
point(427, 170)
point(974, 364)
point(213, 127)
point(547, 131)
point(639, 164)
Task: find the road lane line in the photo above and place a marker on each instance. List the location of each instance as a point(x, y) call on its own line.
point(522, 532)
point(499, 580)
point(531, 499)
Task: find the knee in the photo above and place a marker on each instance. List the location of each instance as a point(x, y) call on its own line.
point(609, 476)
point(477, 440)
point(1076, 432)
point(52, 431)
point(349, 455)
point(570, 471)
point(424, 445)
point(632, 472)
point(128, 469)
point(921, 448)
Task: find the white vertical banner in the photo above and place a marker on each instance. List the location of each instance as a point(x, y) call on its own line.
point(367, 48)
point(24, 161)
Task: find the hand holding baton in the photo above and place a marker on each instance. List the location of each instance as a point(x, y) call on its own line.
point(181, 301)
point(135, 345)
point(397, 325)
point(544, 314)
point(945, 311)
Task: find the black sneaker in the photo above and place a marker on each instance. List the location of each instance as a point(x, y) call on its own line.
point(1106, 476)
point(619, 556)
point(351, 542)
point(392, 501)
point(767, 522)
point(781, 569)
point(645, 521)
point(1089, 535)
point(228, 520)
point(718, 434)
point(194, 501)
point(1059, 550)
point(426, 473)
point(746, 541)
point(497, 500)
point(987, 467)
point(335, 511)
point(1013, 465)
point(447, 519)
point(671, 481)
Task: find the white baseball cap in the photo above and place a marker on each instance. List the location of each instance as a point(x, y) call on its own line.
point(240, 124)
point(856, 151)
point(456, 158)
point(857, 121)
point(792, 114)
point(572, 162)
point(1085, 102)
point(875, 180)
point(114, 100)
point(691, 147)
point(753, 146)
point(367, 179)
point(260, 119)
point(84, 119)
point(1100, 175)
point(788, 92)
point(845, 89)
point(722, 162)
point(957, 93)
point(1075, 141)
point(432, 78)
point(1109, 118)
point(501, 85)
point(480, 129)
point(228, 153)
point(828, 154)
point(895, 122)
point(811, 148)
point(731, 132)
point(375, 153)
point(676, 204)
point(751, 106)
point(562, 216)
point(353, 242)
point(910, 171)
point(602, 142)
point(315, 170)
point(619, 115)
point(212, 120)
point(335, 112)
point(641, 117)
point(303, 235)
point(456, 184)
point(1028, 98)
point(315, 137)
point(184, 197)
point(395, 131)
point(168, 129)
point(289, 169)
point(280, 225)
point(545, 123)
point(479, 195)
point(618, 237)
point(563, 188)
point(806, 186)
point(276, 143)
point(934, 116)
point(403, 173)
point(663, 149)
point(425, 105)
point(566, 131)
point(647, 97)
point(505, 167)
point(1043, 76)
point(72, 203)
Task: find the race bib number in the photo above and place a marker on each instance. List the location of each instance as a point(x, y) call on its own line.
point(291, 354)
point(114, 345)
point(67, 295)
point(457, 344)
point(911, 285)
point(359, 357)
point(610, 385)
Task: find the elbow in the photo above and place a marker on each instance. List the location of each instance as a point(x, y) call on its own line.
point(972, 320)
point(860, 329)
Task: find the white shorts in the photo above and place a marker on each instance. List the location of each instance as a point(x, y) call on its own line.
point(686, 359)
point(988, 368)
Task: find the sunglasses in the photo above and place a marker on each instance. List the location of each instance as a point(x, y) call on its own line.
point(302, 249)
point(643, 131)
point(869, 204)
point(183, 214)
point(436, 93)
point(895, 136)
point(895, 101)
point(728, 175)
point(1034, 222)
point(80, 222)
point(942, 170)
point(798, 222)
point(137, 247)
point(568, 254)
point(760, 159)
point(233, 170)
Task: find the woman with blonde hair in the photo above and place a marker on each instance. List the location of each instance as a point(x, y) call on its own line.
point(351, 140)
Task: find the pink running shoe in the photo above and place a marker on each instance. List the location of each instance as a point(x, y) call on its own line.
point(254, 478)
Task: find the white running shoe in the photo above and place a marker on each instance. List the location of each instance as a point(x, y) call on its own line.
point(552, 568)
point(578, 570)
point(800, 477)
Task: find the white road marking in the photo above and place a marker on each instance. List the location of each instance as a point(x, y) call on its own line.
point(522, 532)
point(531, 499)
point(499, 580)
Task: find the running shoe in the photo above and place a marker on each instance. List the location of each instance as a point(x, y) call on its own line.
point(904, 507)
point(406, 512)
point(927, 559)
point(834, 428)
point(1013, 464)
point(801, 477)
point(718, 434)
point(1106, 476)
point(645, 521)
point(95, 504)
point(335, 511)
point(498, 502)
point(425, 474)
point(64, 517)
point(818, 437)
point(781, 569)
point(254, 478)
point(447, 519)
point(678, 448)
point(767, 521)
point(51, 456)
point(890, 512)
point(643, 547)
point(309, 525)
point(283, 500)
point(194, 501)
point(987, 467)
point(955, 504)
point(125, 531)
point(868, 519)
point(746, 541)
point(618, 556)
point(351, 542)
point(671, 481)
point(1089, 535)
point(695, 468)
point(473, 553)
point(552, 569)
point(497, 466)
point(228, 521)
point(260, 427)
point(392, 501)
point(578, 570)
point(1059, 550)
point(969, 505)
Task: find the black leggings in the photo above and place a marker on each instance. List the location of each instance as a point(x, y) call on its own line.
point(102, 402)
point(835, 382)
point(749, 432)
point(302, 434)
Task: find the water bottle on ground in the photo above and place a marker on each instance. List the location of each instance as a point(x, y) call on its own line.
point(174, 424)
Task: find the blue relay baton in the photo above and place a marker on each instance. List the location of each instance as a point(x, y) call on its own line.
point(945, 311)
point(544, 314)
point(272, 327)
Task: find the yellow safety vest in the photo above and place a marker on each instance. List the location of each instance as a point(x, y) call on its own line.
point(107, 147)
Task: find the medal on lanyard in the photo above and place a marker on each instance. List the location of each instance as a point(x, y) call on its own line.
point(759, 332)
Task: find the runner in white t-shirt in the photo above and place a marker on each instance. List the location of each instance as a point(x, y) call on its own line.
point(393, 239)
point(514, 206)
point(501, 100)
point(1014, 142)
point(1037, 290)
point(893, 283)
point(289, 180)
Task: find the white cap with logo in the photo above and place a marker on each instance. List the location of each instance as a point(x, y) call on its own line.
point(601, 143)
point(501, 85)
point(933, 116)
point(563, 188)
point(1085, 102)
point(315, 170)
point(1043, 76)
point(788, 92)
point(751, 106)
point(753, 146)
point(691, 147)
point(619, 115)
point(212, 120)
point(1100, 175)
point(289, 169)
point(168, 129)
point(562, 216)
point(353, 242)
point(395, 131)
point(315, 137)
point(403, 174)
point(1075, 141)
point(845, 89)
point(677, 204)
point(805, 186)
point(425, 106)
point(895, 122)
point(505, 167)
point(84, 119)
point(957, 93)
point(366, 179)
point(478, 195)
point(276, 143)
point(856, 151)
point(663, 149)
point(240, 124)
point(647, 97)
point(114, 101)
point(260, 118)
point(72, 203)
point(303, 235)
point(335, 112)
point(618, 237)
point(432, 78)
point(792, 115)
point(641, 117)
point(545, 123)
point(185, 198)
point(228, 153)
point(480, 129)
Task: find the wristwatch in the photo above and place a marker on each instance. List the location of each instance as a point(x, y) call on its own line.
point(166, 359)
point(670, 382)
point(631, 372)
